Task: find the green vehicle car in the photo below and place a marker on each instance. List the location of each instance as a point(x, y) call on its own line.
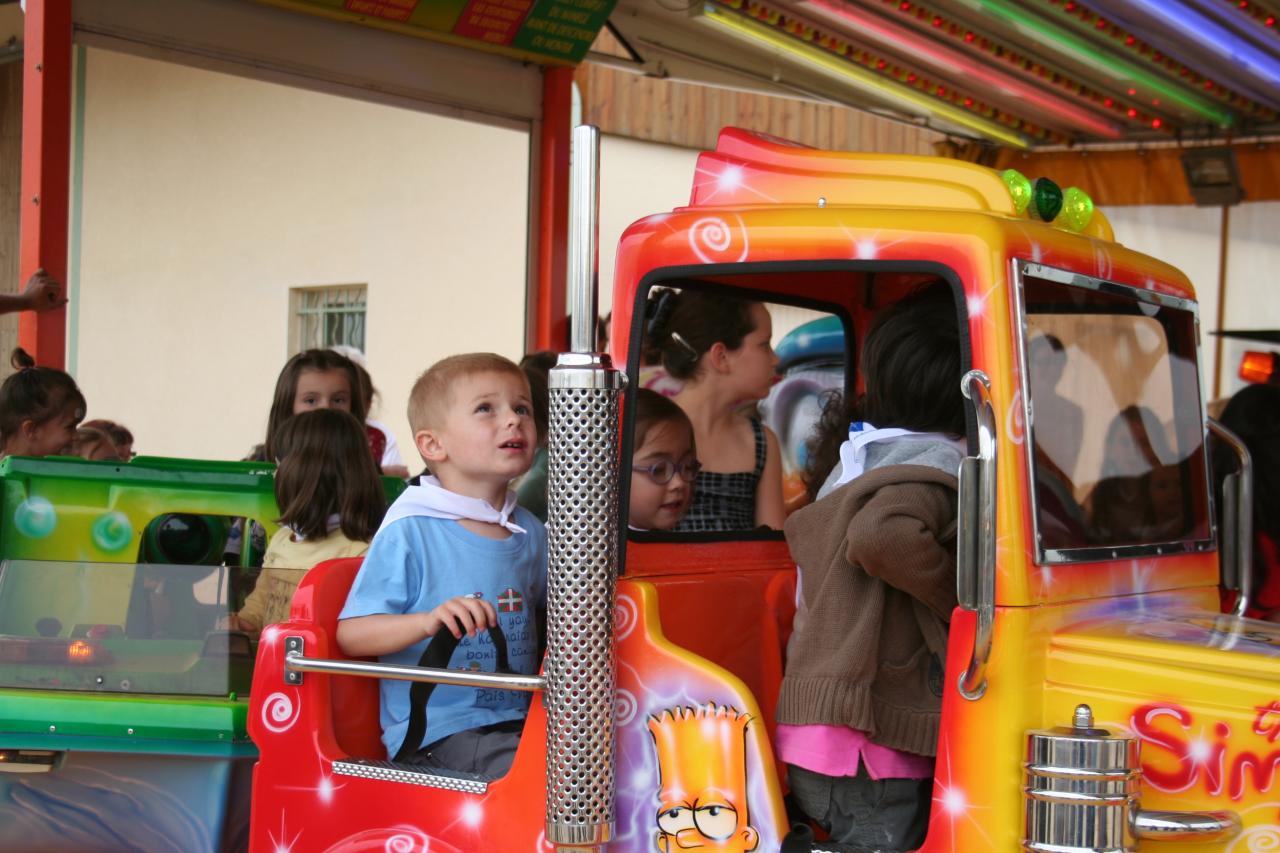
point(122, 696)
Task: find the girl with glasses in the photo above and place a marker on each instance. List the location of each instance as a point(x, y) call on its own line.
point(664, 466)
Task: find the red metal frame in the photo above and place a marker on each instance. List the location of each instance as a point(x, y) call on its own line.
point(46, 166)
point(550, 320)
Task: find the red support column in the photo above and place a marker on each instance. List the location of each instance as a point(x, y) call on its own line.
point(551, 323)
point(46, 163)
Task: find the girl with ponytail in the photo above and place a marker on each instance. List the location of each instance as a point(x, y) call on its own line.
point(39, 409)
point(719, 346)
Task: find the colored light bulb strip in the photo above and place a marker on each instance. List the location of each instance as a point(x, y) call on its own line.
point(1257, 13)
point(860, 78)
point(886, 67)
point(1023, 63)
point(1060, 40)
point(1219, 40)
point(955, 62)
point(1171, 66)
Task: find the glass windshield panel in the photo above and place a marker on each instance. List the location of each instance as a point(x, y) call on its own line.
point(1115, 419)
point(120, 628)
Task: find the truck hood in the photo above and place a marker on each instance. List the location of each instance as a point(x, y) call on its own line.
point(1201, 692)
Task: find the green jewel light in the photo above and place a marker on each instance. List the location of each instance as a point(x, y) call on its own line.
point(1077, 209)
point(1019, 189)
point(112, 532)
point(1046, 199)
point(35, 518)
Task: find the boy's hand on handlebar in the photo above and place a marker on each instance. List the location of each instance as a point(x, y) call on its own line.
point(462, 615)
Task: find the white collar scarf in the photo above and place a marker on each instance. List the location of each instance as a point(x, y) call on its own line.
point(853, 453)
point(435, 501)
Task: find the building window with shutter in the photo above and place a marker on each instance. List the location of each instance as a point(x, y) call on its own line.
point(322, 317)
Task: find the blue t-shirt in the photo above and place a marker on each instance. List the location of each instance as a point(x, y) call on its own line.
point(414, 564)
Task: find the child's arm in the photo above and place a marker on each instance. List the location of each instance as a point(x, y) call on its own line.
point(770, 510)
point(41, 293)
point(385, 633)
point(894, 537)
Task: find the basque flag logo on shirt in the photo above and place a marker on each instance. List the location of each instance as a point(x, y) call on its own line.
point(510, 601)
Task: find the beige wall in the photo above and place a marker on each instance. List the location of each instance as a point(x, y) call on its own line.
point(637, 179)
point(206, 197)
point(1253, 258)
point(1189, 238)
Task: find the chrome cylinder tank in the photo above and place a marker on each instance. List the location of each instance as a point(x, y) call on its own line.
point(1081, 789)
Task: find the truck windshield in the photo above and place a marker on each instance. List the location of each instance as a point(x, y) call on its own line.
point(1116, 431)
point(119, 627)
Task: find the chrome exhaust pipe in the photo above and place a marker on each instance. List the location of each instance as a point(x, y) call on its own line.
point(582, 533)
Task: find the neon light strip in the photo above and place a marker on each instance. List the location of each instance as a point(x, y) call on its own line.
point(847, 72)
point(1059, 39)
point(1117, 27)
point(1151, 56)
point(957, 63)
point(1217, 38)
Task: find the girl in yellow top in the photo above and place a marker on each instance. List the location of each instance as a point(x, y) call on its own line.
point(331, 503)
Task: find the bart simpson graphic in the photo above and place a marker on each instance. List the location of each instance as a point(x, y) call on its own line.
point(702, 769)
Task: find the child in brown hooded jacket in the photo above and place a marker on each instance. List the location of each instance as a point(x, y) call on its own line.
point(861, 699)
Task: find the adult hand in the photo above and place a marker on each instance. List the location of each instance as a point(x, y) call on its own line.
point(43, 292)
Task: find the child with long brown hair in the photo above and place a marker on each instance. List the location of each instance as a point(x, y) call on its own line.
point(331, 503)
point(313, 379)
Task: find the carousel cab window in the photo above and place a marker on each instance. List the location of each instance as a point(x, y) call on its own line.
point(711, 351)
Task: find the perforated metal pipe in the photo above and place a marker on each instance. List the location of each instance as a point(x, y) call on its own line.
point(582, 525)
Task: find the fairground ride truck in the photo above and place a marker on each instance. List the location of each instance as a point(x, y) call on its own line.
point(1094, 695)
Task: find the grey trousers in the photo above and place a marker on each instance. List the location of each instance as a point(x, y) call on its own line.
point(486, 751)
point(886, 815)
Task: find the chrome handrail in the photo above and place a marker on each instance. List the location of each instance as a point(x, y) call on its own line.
point(295, 662)
point(976, 542)
point(1185, 826)
point(1237, 499)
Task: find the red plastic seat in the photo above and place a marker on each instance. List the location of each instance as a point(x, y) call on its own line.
point(319, 599)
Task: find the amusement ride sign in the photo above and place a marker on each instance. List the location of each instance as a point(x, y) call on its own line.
point(549, 31)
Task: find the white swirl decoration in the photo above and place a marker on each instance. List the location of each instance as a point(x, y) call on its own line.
point(279, 713)
point(626, 613)
point(626, 706)
point(1015, 419)
point(716, 241)
point(1262, 837)
point(405, 843)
